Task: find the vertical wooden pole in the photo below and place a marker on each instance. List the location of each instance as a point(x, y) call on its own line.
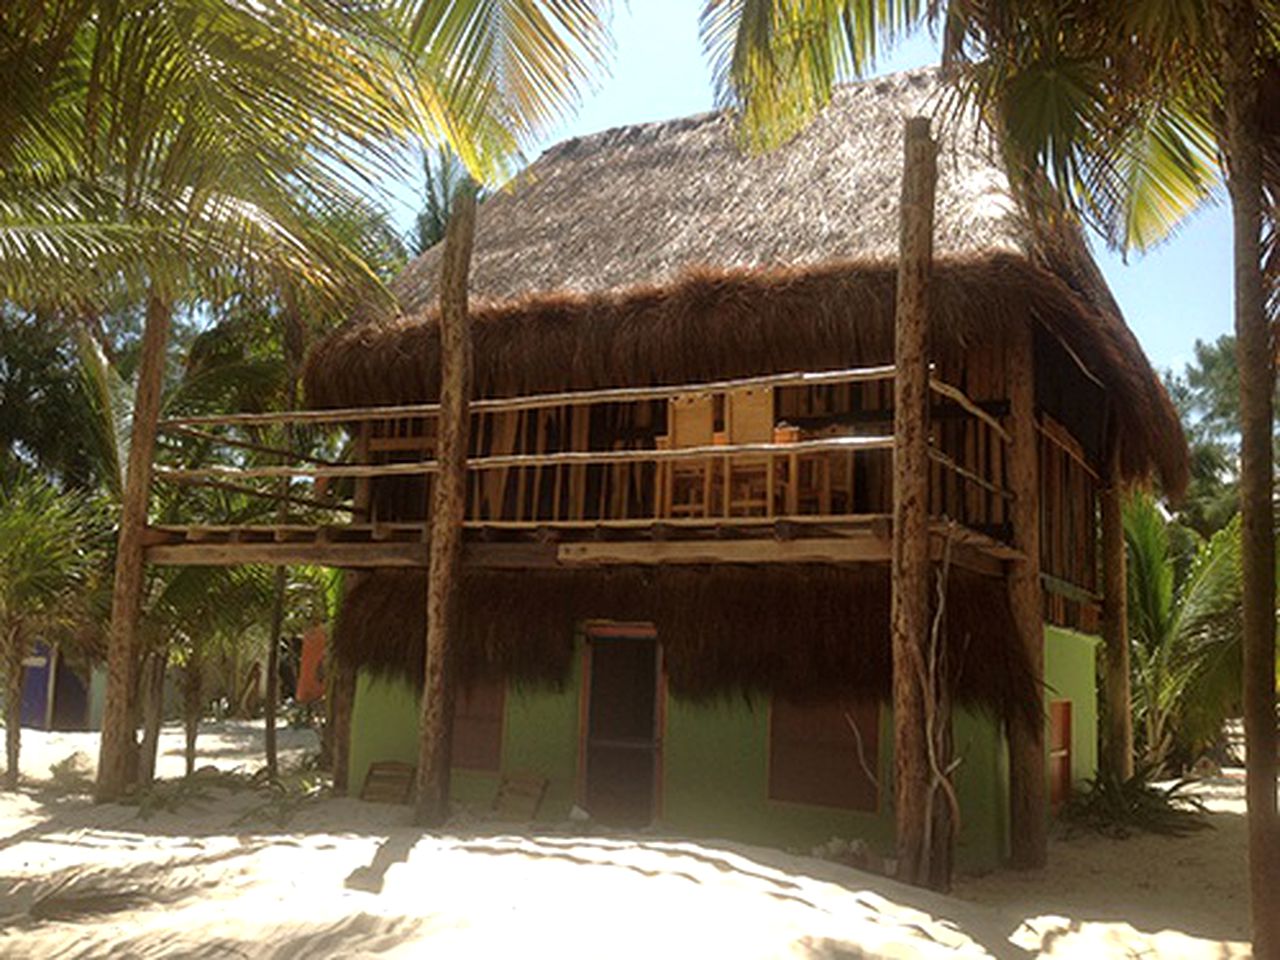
point(1028, 786)
point(341, 691)
point(116, 753)
point(448, 507)
point(15, 644)
point(1115, 621)
point(909, 613)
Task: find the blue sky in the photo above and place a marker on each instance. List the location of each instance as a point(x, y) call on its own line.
point(1171, 297)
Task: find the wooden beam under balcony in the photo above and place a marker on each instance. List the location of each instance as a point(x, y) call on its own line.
point(839, 540)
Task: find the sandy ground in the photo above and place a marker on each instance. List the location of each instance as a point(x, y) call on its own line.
point(219, 877)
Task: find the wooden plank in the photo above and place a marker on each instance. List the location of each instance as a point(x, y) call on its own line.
point(288, 554)
point(958, 397)
point(941, 458)
point(388, 781)
point(861, 549)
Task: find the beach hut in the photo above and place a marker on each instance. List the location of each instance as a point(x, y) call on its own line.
point(676, 601)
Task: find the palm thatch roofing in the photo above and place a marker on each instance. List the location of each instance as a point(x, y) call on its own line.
point(660, 253)
point(797, 631)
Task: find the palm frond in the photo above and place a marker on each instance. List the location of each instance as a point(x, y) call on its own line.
point(778, 62)
point(108, 402)
point(496, 75)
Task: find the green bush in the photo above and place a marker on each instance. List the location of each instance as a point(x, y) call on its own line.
point(1118, 808)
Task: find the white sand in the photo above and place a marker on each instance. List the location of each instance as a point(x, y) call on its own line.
point(345, 878)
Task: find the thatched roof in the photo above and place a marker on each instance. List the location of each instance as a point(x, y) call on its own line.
point(725, 630)
point(660, 253)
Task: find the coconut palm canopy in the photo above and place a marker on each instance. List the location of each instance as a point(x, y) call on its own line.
point(662, 253)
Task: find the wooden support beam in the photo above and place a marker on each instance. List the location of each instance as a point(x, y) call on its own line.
point(116, 756)
point(863, 549)
point(367, 555)
point(1118, 748)
point(909, 609)
point(1028, 786)
point(447, 513)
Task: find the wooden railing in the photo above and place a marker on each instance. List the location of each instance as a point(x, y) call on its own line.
point(617, 456)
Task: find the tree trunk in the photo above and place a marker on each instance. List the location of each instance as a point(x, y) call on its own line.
point(1028, 787)
point(192, 688)
point(294, 347)
point(14, 643)
point(1255, 357)
point(117, 751)
point(448, 508)
point(909, 612)
point(152, 694)
point(1118, 756)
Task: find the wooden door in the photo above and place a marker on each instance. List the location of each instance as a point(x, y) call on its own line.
point(620, 740)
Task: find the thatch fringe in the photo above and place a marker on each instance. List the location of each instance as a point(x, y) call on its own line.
point(797, 631)
point(715, 324)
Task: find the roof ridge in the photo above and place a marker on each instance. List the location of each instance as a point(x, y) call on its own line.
point(651, 129)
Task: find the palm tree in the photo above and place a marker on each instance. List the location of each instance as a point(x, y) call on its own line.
point(46, 550)
point(442, 171)
point(1125, 109)
point(1185, 632)
point(172, 147)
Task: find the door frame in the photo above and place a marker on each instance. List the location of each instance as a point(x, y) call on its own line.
point(622, 630)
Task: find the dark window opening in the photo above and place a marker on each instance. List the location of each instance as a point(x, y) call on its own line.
point(814, 754)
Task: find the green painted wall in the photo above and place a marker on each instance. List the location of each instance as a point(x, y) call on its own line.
point(716, 754)
point(1070, 673)
point(981, 781)
point(539, 735)
point(716, 776)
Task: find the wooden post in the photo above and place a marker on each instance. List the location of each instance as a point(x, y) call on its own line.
point(343, 692)
point(342, 688)
point(1028, 786)
point(294, 348)
point(15, 644)
point(1115, 621)
point(116, 753)
point(909, 611)
point(448, 508)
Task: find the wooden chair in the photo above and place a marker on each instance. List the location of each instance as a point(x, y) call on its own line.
point(686, 484)
point(388, 781)
point(520, 796)
point(749, 481)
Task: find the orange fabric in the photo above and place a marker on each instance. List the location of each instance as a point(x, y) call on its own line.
point(311, 671)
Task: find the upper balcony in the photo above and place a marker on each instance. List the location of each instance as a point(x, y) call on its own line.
point(772, 469)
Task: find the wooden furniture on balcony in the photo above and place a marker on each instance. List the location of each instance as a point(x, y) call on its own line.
point(749, 482)
point(686, 485)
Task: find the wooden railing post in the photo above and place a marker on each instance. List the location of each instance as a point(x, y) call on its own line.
point(909, 613)
point(342, 686)
point(448, 511)
point(1028, 770)
point(118, 751)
